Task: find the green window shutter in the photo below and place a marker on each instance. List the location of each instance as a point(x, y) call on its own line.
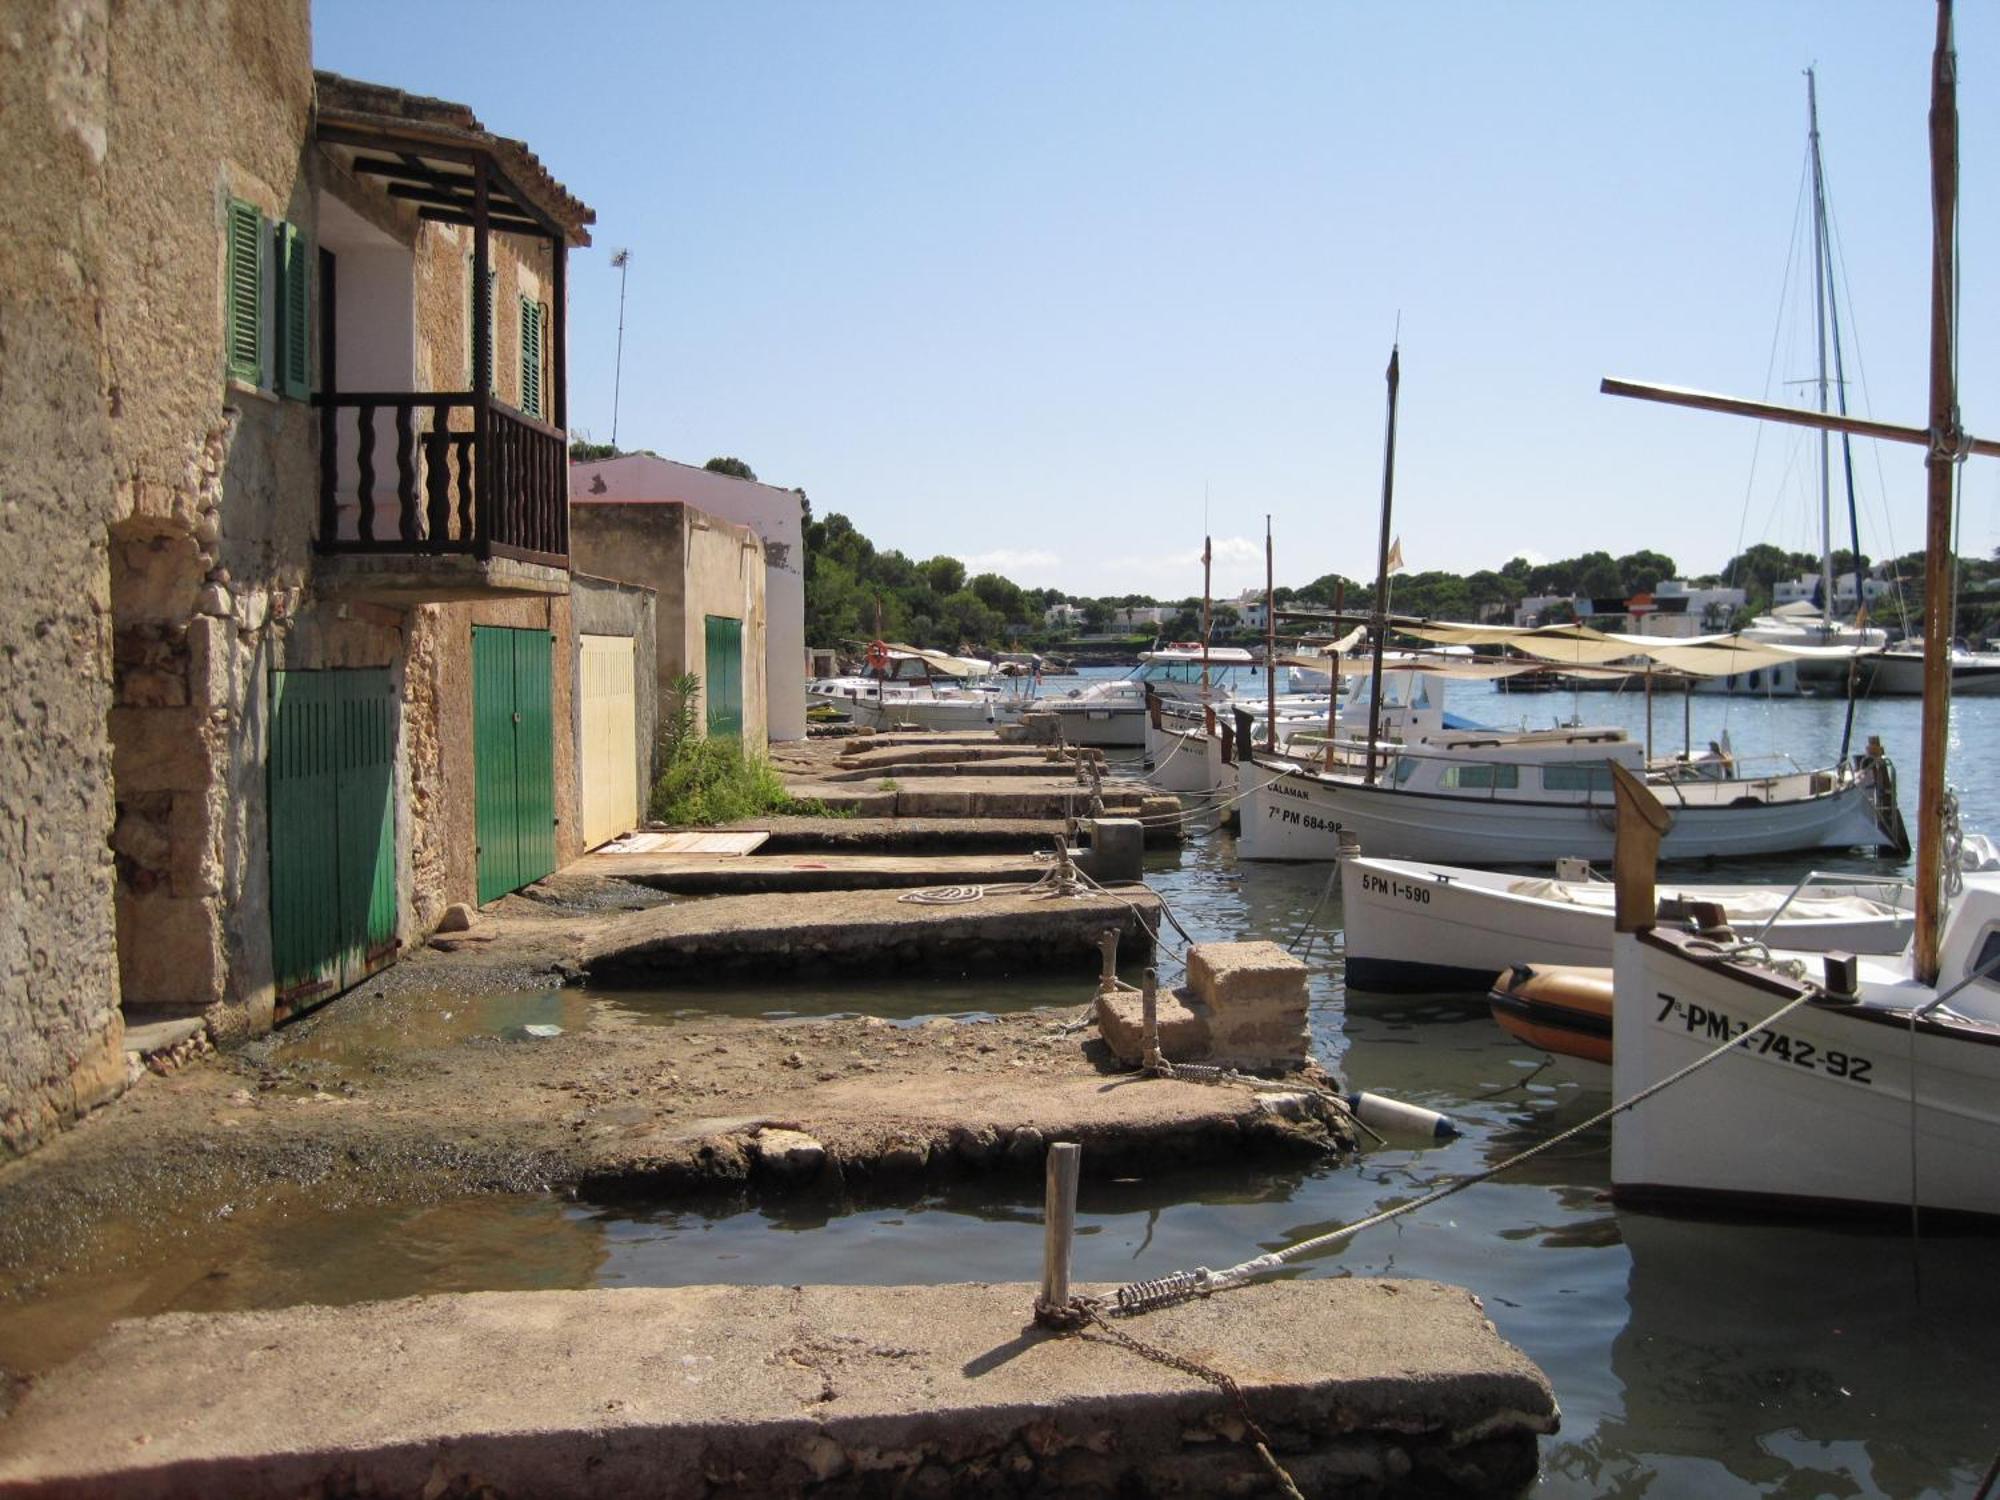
point(531, 357)
point(244, 322)
point(472, 324)
point(294, 313)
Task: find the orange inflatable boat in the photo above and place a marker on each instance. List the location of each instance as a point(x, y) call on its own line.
point(1561, 1008)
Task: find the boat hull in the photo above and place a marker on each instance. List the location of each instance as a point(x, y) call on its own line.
point(1121, 727)
point(1414, 927)
point(1897, 675)
point(1814, 1115)
point(1293, 816)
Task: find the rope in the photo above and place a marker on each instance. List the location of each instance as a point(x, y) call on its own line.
point(944, 895)
point(1181, 1285)
point(1081, 1318)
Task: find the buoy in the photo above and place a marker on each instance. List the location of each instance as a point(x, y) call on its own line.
point(1394, 1117)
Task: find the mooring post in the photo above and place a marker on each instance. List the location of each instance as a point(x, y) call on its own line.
point(1149, 1019)
point(1058, 1228)
point(1107, 945)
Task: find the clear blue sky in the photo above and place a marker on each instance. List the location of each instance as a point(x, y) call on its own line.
point(1017, 282)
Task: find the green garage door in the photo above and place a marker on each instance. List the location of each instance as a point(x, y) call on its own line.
point(724, 681)
point(331, 775)
point(513, 749)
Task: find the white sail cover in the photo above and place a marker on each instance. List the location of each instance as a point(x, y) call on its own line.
point(1580, 646)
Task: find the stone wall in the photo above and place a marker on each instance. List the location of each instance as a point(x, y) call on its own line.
point(696, 566)
point(60, 1031)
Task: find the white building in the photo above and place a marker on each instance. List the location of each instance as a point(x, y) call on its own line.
point(1530, 610)
point(1064, 616)
point(776, 515)
point(1796, 590)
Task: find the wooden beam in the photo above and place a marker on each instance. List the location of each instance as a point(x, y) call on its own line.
point(1677, 395)
point(499, 223)
point(409, 169)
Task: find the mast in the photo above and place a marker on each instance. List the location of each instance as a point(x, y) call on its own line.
point(1394, 378)
point(1207, 556)
point(1819, 341)
point(1942, 462)
point(1270, 646)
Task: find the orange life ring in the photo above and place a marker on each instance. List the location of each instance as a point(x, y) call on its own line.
point(878, 656)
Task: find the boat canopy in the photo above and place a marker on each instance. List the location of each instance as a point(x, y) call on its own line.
point(937, 661)
point(1573, 646)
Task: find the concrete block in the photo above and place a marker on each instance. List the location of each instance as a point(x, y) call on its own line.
point(934, 802)
point(1117, 849)
point(1257, 975)
point(1184, 1026)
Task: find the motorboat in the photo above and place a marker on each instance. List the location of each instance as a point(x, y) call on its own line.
point(908, 686)
point(1112, 713)
point(1899, 672)
point(1417, 926)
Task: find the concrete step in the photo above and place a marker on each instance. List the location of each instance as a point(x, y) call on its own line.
point(1392, 1387)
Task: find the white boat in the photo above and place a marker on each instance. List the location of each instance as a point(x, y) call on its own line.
point(1801, 628)
point(1113, 713)
point(1415, 926)
point(904, 685)
point(1899, 672)
point(1870, 1091)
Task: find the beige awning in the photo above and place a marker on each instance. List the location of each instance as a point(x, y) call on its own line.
point(1571, 646)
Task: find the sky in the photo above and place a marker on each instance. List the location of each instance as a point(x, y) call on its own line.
point(1056, 287)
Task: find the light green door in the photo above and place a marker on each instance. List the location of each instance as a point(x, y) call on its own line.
point(723, 683)
point(513, 751)
point(331, 774)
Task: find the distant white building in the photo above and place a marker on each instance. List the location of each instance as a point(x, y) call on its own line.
point(1531, 609)
point(776, 515)
point(1140, 616)
point(1806, 589)
point(1064, 616)
point(1675, 608)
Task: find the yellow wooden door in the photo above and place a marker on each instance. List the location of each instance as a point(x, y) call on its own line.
point(608, 690)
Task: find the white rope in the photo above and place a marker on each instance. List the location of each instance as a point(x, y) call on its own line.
point(944, 895)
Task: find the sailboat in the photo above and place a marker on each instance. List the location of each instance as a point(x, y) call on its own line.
point(1801, 623)
point(1838, 1086)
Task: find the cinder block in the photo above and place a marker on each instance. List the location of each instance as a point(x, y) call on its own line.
point(1246, 975)
point(1117, 850)
point(1184, 1026)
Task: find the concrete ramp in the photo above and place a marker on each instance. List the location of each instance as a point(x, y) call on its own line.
point(1387, 1387)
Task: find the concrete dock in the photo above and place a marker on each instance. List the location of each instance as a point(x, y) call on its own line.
point(1004, 930)
point(699, 875)
point(1365, 1386)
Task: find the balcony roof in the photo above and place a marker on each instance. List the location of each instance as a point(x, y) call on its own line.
point(420, 148)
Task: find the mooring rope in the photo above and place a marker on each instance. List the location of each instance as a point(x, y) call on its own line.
point(944, 895)
point(1179, 1286)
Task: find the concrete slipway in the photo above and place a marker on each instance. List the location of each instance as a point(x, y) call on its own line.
point(1365, 1388)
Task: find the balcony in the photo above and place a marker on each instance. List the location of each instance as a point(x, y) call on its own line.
point(440, 495)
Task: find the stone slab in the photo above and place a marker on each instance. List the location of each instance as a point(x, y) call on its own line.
point(1004, 931)
point(1403, 1386)
point(1183, 1023)
point(1257, 975)
point(697, 876)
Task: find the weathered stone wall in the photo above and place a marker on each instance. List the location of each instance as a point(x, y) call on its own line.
point(60, 1033)
point(604, 606)
point(696, 566)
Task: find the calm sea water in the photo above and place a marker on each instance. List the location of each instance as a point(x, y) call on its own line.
point(1690, 1358)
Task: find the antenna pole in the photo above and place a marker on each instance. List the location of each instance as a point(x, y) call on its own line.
point(1819, 342)
point(622, 260)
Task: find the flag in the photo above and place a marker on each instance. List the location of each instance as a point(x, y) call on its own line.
point(1395, 556)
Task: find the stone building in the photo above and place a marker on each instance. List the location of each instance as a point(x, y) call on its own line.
point(290, 654)
point(775, 514)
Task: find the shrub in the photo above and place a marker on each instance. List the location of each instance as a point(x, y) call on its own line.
point(705, 781)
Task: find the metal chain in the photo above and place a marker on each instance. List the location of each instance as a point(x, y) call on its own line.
point(1082, 1314)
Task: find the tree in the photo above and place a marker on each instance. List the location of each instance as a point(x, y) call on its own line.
point(1643, 571)
point(1002, 596)
point(583, 451)
point(734, 467)
point(1097, 614)
point(946, 575)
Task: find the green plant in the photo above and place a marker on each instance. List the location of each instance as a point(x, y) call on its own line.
point(886, 784)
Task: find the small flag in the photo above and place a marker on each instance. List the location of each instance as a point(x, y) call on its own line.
point(1395, 556)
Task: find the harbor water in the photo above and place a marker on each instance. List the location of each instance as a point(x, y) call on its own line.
point(1691, 1358)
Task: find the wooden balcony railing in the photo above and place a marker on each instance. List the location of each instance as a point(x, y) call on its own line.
point(412, 472)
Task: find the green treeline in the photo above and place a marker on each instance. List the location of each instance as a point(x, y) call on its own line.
point(855, 591)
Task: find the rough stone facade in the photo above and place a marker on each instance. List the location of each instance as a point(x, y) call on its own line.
point(162, 519)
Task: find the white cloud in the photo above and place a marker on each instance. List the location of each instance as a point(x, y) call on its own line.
point(1013, 562)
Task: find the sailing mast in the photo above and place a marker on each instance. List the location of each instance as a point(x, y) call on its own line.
point(1819, 342)
point(1270, 646)
point(1946, 449)
point(1394, 378)
point(1207, 556)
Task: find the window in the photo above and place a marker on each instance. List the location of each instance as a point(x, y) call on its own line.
point(1581, 778)
point(268, 303)
point(1483, 778)
point(1989, 953)
point(534, 325)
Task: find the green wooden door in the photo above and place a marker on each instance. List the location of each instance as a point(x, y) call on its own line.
point(331, 775)
point(723, 683)
point(513, 749)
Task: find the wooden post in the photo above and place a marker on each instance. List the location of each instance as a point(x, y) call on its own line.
point(1649, 713)
point(1636, 850)
point(1149, 1020)
point(1942, 463)
point(1107, 945)
point(1058, 1226)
